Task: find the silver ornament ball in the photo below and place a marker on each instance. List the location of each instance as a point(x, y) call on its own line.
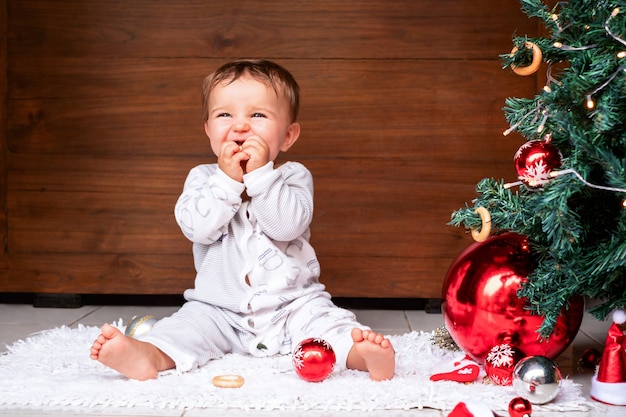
point(140, 326)
point(537, 378)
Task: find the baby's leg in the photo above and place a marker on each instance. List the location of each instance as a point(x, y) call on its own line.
point(372, 353)
point(130, 357)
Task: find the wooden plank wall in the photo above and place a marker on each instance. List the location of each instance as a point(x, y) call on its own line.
point(401, 116)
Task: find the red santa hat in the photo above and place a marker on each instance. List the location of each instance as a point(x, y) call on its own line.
point(471, 409)
point(608, 385)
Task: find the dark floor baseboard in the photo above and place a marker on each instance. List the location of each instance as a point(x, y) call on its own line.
point(51, 300)
point(54, 300)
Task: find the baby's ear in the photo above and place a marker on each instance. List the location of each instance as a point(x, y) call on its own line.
point(293, 132)
point(206, 127)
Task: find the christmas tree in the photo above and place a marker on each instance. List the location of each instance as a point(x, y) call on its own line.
point(570, 197)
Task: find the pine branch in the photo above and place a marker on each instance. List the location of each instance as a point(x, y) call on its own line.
point(576, 223)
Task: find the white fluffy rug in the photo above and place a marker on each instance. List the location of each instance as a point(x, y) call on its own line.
point(52, 369)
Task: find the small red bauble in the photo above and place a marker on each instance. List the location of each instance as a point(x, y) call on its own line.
point(534, 161)
point(589, 359)
point(313, 359)
point(501, 361)
point(520, 407)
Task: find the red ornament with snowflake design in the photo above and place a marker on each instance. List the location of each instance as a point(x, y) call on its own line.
point(535, 160)
point(501, 361)
point(313, 359)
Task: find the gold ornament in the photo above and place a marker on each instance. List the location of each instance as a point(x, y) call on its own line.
point(140, 326)
point(442, 338)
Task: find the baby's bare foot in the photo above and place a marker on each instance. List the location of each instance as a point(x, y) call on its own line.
point(376, 352)
point(130, 357)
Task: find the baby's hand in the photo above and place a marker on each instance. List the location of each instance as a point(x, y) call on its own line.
point(258, 152)
point(232, 160)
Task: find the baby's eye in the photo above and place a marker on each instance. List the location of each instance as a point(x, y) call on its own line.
point(223, 115)
point(258, 115)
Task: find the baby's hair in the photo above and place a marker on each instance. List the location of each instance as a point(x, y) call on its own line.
point(265, 71)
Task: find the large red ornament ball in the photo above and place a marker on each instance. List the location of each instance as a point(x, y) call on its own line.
point(534, 161)
point(500, 363)
point(313, 359)
point(481, 308)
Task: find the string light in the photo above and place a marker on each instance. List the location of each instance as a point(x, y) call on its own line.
point(590, 102)
point(608, 29)
point(550, 80)
point(621, 54)
point(515, 126)
point(543, 121)
point(555, 174)
point(559, 45)
point(536, 111)
point(555, 19)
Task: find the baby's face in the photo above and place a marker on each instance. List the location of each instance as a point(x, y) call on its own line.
point(247, 107)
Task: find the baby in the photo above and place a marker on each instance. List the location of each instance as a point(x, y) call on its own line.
point(257, 288)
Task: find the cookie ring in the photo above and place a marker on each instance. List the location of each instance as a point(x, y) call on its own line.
point(485, 229)
point(228, 381)
point(535, 63)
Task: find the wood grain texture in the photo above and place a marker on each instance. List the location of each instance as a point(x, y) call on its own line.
point(3, 141)
point(386, 108)
point(400, 113)
point(355, 29)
